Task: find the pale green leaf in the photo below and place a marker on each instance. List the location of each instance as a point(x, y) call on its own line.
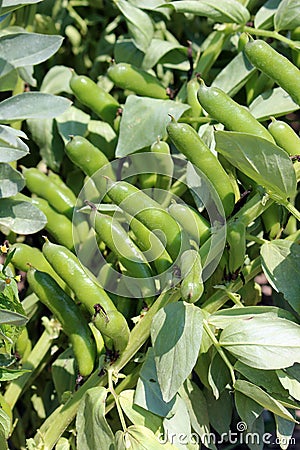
point(289, 383)
point(263, 343)
point(143, 120)
point(137, 437)
point(247, 409)
point(261, 160)
point(21, 217)
point(32, 105)
point(11, 181)
point(157, 49)
point(12, 147)
point(136, 414)
point(287, 16)
point(11, 5)
point(72, 122)
point(225, 317)
point(225, 11)
point(57, 80)
point(26, 49)
point(176, 334)
point(264, 18)
point(234, 75)
point(11, 374)
point(275, 102)
point(139, 24)
point(178, 420)
point(266, 379)
point(281, 265)
point(92, 428)
point(4, 423)
point(218, 375)
point(12, 318)
point(284, 431)
point(263, 399)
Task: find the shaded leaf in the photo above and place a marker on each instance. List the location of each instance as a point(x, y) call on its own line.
point(11, 181)
point(157, 49)
point(264, 18)
point(92, 428)
point(263, 344)
point(57, 80)
point(176, 334)
point(260, 160)
point(247, 409)
point(281, 265)
point(219, 411)
point(284, 431)
point(72, 122)
point(289, 382)
point(266, 379)
point(178, 420)
point(21, 217)
point(218, 375)
point(32, 105)
point(264, 399)
point(143, 120)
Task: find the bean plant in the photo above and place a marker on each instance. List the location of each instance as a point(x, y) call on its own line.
point(149, 224)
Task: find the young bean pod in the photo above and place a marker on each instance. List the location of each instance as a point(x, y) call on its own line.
point(225, 110)
point(127, 76)
point(236, 239)
point(68, 314)
point(149, 212)
point(86, 289)
point(275, 65)
point(193, 223)
point(188, 142)
point(191, 287)
point(285, 136)
point(94, 97)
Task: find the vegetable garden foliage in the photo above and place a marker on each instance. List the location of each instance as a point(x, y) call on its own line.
point(149, 162)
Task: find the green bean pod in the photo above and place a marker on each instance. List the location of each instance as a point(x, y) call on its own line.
point(148, 211)
point(285, 136)
point(117, 239)
point(192, 100)
point(94, 97)
point(127, 76)
point(86, 289)
point(193, 223)
point(275, 65)
point(61, 199)
point(165, 167)
point(68, 314)
point(191, 287)
point(236, 239)
point(188, 142)
point(225, 110)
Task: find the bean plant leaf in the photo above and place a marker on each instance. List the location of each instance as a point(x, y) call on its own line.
point(12, 318)
point(139, 24)
point(21, 217)
point(198, 412)
point(32, 105)
point(72, 122)
point(26, 49)
point(12, 147)
point(259, 159)
point(284, 431)
point(219, 411)
point(223, 318)
point(248, 409)
point(57, 80)
point(264, 18)
point(11, 374)
point(235, 75)
point(92, 428)
point(11, 5)
point(225, 11)
point(11, 181)
point(262, 398)
point(137, 437)
point(266, 379)
point(287, 16)
point(275, 102)
point(136, 414)
point(263, 344)
point(289, 381)
point(159, 48)
point(148, 393)
point(178, 420)
point(218, 375)
point(281, 265)
point(143, 120)
point(176, 334)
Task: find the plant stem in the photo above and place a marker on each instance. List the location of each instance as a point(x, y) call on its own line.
point(115, 396)
point(274, 35)
point(250, 237)
point(219, 350)
point(196, 119)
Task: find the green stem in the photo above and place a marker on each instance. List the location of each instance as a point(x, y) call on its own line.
point(293, 210)
point(272, 34)
point(32, 363)
point(128, 383)
point(217, 300)
point(186, 119)
point(219, 350)
point(260, 241)
point(115, 396)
